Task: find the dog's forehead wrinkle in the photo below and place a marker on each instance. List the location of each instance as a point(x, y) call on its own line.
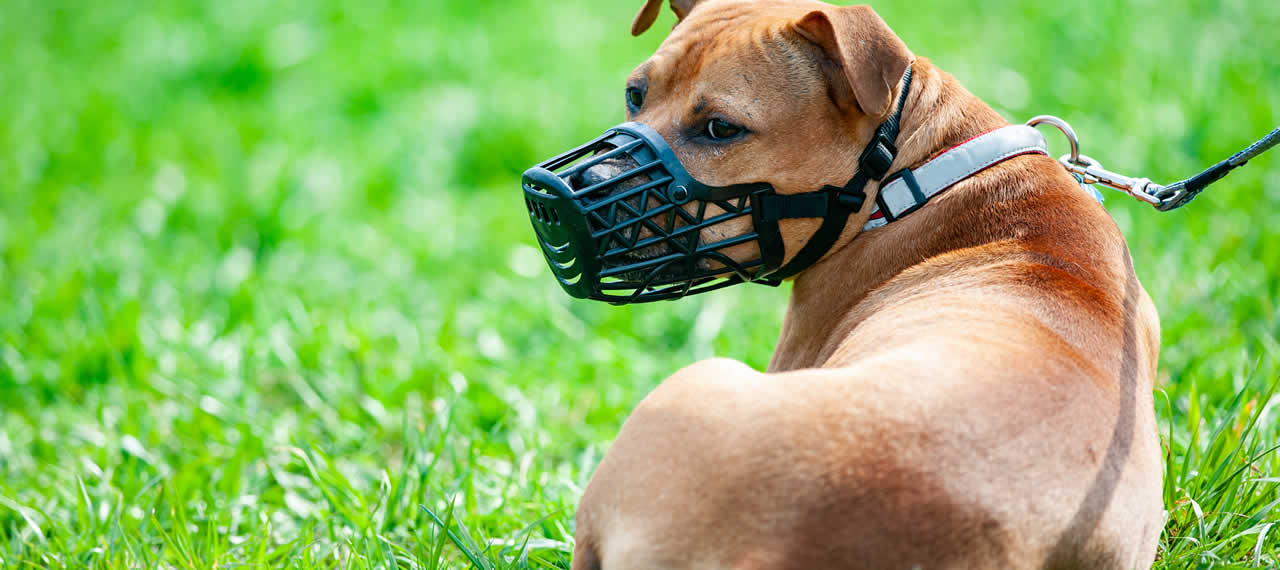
point(728, 86)
point(709, 97)
point(800, 67)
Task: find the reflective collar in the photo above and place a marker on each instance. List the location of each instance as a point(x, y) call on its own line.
point(907, 190)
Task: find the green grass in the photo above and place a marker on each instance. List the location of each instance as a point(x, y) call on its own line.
point(267, 294)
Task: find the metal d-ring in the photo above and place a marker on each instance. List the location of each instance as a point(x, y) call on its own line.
point(1066, 129)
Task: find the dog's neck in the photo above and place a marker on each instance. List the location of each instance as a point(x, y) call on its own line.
point(824, 295)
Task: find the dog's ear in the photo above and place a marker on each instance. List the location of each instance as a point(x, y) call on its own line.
point(864, 59)
point(649, 13)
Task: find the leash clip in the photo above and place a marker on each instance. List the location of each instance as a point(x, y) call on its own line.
point(1091, 172)
point(1164, 198)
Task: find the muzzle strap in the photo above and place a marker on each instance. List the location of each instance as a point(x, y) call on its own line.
point(772, 208)
point(840, 202)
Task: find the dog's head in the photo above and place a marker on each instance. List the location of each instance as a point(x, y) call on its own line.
point(744, 104)
point(783, 92)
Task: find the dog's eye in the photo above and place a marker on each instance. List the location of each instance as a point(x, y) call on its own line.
point(635, 97)
point(722, 130)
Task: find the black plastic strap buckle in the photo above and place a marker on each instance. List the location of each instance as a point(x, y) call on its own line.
point(852, 196)
point(877, 157)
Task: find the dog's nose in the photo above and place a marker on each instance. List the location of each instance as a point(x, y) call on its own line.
point(596, 174)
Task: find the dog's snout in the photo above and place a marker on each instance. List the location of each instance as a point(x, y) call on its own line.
point(596, 174)
point(605, 170)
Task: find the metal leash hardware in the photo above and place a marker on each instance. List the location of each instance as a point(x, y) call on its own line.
point(1163, 198)
point(1091, 171)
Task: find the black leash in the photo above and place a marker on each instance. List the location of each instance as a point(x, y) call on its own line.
point(1163, 198)
point(1178, 194)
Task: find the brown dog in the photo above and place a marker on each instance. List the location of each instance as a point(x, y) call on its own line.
point(968, 387)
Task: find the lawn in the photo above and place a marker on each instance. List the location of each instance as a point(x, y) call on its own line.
point(268, 295)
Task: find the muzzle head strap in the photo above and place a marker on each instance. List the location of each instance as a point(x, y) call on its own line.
point(874, 163)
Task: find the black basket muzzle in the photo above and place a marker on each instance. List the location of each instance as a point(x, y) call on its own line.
point(620, 220)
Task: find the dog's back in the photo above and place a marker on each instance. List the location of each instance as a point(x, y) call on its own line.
point(967, 387)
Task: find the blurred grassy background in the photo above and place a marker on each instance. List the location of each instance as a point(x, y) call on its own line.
point(267, 293)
